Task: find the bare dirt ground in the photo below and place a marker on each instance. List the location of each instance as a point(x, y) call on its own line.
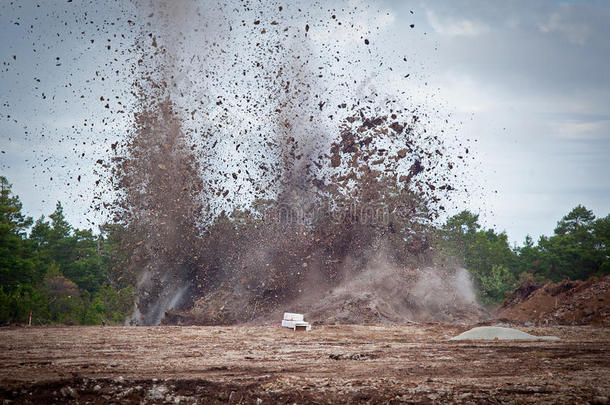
point(270, 365)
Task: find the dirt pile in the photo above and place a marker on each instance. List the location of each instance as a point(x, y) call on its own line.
point(386, 295)
point(498, 333)
point(380, 294)
point(564, 303)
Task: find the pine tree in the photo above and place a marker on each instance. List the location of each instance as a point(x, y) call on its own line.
point(16, 264)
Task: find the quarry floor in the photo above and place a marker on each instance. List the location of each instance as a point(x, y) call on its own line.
point(271, 365)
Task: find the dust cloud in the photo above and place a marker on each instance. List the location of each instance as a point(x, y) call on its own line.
point(265, 169)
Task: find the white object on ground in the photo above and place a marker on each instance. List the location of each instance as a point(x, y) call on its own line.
point(296, 325)
point(499, 333)
point(289, 316)
point(295, 322)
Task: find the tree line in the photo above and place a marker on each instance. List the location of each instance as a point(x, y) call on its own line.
point(60, 273)
point(72, 276)
point(578, 249)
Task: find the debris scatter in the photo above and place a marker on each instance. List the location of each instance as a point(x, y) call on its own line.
point(256, 154)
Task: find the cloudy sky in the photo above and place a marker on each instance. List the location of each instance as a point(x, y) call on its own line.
point(526, 84)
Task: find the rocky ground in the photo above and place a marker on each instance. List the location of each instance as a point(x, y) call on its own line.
point(330, 364)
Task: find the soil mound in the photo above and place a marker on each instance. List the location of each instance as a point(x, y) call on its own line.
point(563, 303)
point(498, 333)
point(391, 295)
point(378, 295)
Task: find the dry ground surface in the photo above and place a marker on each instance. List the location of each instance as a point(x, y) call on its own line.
point(270, 365)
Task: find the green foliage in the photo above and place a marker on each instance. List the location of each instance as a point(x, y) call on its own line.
point(485, 253)
point(579, 248)
point(67, 275)
point(497, 282)
point(115, 254)
point(75, 251)
point(111, 304)
point(601, 235)
point(16, 264)
point(58, 272)
point(10, 210)
point(15, 305)
point(63, 294)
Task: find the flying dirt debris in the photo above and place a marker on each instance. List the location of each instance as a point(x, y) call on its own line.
point(264, 156)
point(255, 158)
